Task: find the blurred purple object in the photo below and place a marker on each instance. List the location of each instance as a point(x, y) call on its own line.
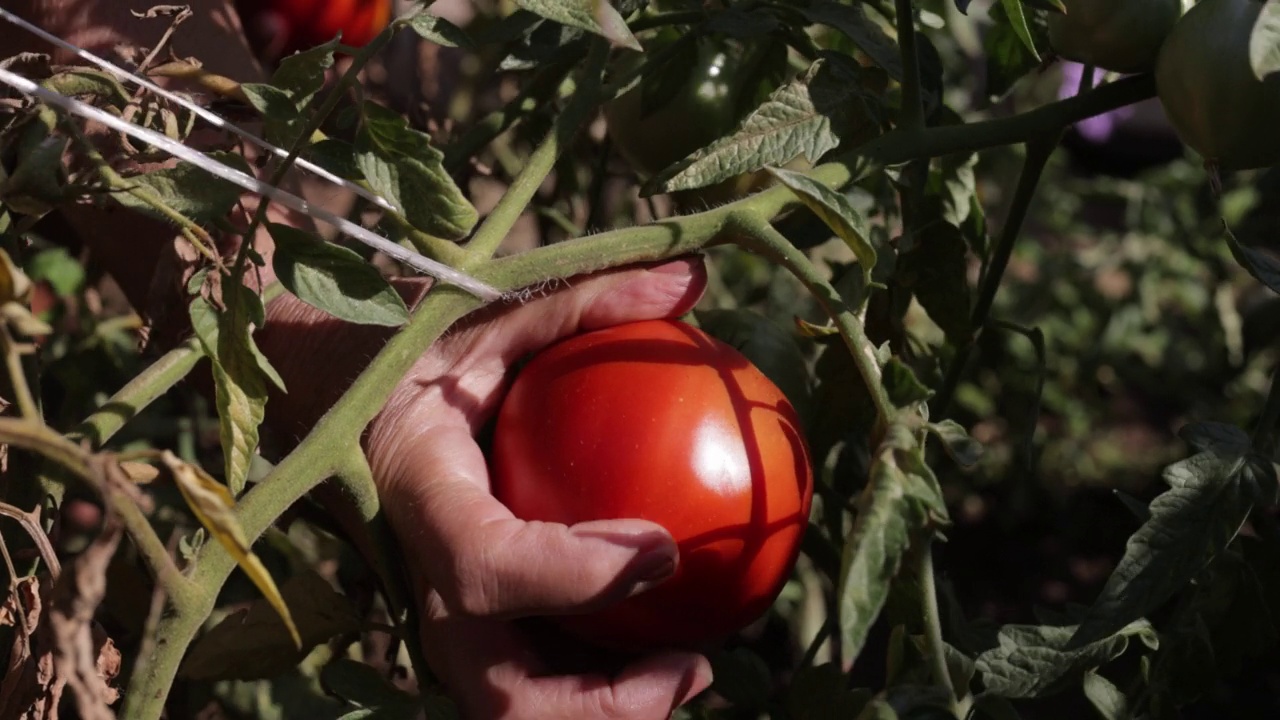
point(1099, 128)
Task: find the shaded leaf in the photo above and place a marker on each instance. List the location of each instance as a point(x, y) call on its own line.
point(1037, 660)
point(770, 348)
point(334, 279)
point(837, 212)
point(1262, 265)
point(960, 446)
point(254, 642)
point(1190, 524)
point(1105, 697)
point(376, 698)
point(214, 508)
point(901, 498)
point(866, 34)
point(741, 677)
point(936, 271)
point(1018, 20)
point(822, 692)
point(903, 386)
point(402, 166)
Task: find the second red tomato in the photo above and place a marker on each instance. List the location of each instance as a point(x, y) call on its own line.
point(282, 27)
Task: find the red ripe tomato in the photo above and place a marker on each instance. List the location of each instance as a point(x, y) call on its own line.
point(659, 421)
point(283, 27)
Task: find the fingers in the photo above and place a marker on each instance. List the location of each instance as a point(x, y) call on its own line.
point(495, 673)
point(484, 561)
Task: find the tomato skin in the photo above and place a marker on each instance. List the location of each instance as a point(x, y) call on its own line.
point(301, 24)
point(1208, 89)
point(659, 421)
point(1119, 35)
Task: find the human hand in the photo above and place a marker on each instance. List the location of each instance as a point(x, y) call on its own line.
point(477, 567)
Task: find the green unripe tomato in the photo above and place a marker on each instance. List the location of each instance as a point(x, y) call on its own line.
point(1208, 89)
point(1119, 35)
point(700, 109)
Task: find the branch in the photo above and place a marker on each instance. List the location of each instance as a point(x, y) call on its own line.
point(140, 392)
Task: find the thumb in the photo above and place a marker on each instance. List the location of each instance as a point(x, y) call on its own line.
point(485, 562)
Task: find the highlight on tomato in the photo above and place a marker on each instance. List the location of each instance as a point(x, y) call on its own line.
point(659, 421)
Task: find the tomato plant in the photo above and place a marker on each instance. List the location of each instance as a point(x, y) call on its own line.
point(660, 421)
point(1120, 35)
point(287, 26)
point(1209, 90)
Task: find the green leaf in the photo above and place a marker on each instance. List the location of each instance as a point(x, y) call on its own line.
point(334, 279)
point(55, 266)
point(903, 386)
point(436, 29)
point(293, 86)
point(837, 212)
point(240, 372)
point(402, 166)
point(901, 498)
point(253, 642)
point(188, 190)
point(1105, 697)
point(936, 271)
point(1038, 660)
point(960, 446)
point(1262, 265)
point(1007, 56)
point(808, 116)
point(741, 677)
point(376, 698)
point(1264, 43)
point(866, 34)
point(1190, 524)
point(594, 16)
point(1018, 19)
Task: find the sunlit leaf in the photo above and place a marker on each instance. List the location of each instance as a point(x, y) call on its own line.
point(837, 212)
point(594, 16)
point(334, 279)
point(1264, 43)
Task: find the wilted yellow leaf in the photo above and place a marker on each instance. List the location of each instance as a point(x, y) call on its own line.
point(14, 284)
point(214, 507)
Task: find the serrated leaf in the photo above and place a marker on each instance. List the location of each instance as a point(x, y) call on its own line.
point(293, 86)
point(1264, 42)
point(866, 34)
point(1190, 524)
point(254, 642)
point(1105, 697)
point(402, 166)
point(837, 212)
point(214, 507)
point(594, 16)
point(188, 190)
point(436, 29)
point(1037, 660)
point(334, 279)
point(899, 501)
point(807, 116)
point(1018, 19)
point(240, 372)
point(963, 449)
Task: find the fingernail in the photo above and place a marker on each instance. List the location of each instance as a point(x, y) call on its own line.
point(651, 569)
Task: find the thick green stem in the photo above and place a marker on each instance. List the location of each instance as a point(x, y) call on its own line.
point(1038, 153)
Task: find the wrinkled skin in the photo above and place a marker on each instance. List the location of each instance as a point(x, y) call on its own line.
point(476, 568)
